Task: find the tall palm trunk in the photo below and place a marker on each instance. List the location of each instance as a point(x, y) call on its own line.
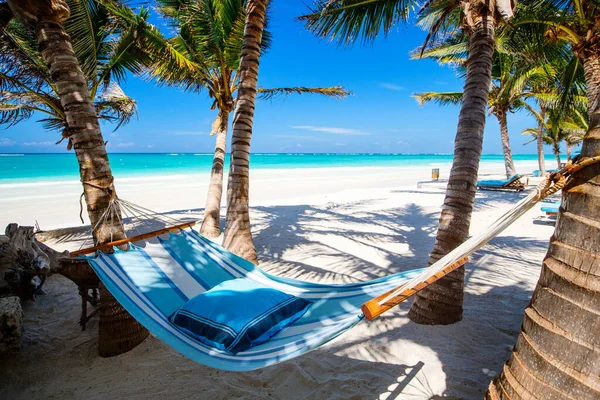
point(568, 148)
point(86, 138)
point(509, 165)
point(540, 141)
point(237, 237)
point(442, 302)
point(212, 212)
point(557, 354)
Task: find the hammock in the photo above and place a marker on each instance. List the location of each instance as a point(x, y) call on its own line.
point(154, 281)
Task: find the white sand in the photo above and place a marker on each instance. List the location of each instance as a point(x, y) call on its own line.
point(323, 225)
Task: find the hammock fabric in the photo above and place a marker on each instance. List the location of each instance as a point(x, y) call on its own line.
point(154, 281)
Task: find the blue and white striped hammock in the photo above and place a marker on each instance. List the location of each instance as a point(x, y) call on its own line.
point(154, 281)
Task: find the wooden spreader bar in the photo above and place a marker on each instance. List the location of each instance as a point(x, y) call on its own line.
point(372, 309)
point(137, 238)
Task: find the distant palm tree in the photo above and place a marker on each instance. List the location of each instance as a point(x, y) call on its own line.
point(349, 20)
point(559, 127)
point(76, 53)
point(557, 353)
point(210, 36)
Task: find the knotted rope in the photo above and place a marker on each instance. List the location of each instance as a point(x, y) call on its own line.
point(108, 189)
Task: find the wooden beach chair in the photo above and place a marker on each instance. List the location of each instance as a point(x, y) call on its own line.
point(513, 183)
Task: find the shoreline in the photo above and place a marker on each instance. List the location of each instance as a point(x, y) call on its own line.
point(149, 176)
point(56, 204)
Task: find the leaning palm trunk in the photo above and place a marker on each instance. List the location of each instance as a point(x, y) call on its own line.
point(540, 142)
point(508, 160)
point(84, 134)
point(237, 237)
point(212, 212)
point(568, 149)
point(442, 302)
point(557, 354)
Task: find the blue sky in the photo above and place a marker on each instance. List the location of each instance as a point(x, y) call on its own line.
point(380, 117)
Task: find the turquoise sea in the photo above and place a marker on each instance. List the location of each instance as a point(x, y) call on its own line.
point(21, 168)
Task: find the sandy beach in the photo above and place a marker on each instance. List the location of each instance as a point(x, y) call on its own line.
point(323, 225)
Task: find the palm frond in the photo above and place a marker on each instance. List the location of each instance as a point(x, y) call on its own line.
point(347, 21)
point(115, 106)
point(337, 92)
point(442, 98)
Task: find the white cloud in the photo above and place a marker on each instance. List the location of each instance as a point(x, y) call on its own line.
point(126, 144)
point(391, 86)
point(47, 143)
point(150, 146)
point(186, 133)
point(6, 141)
point(328, 129)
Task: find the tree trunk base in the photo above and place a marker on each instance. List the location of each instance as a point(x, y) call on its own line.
point(210, 230)
point(439, 304)
point(118, 332)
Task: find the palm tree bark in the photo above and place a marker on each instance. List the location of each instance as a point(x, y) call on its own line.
point(540, 142)
point(86, 138)
point(212, 212)
point(237, 237)
point(568, 149)
point(557, 354)
point(509, 165)
point(442, 303)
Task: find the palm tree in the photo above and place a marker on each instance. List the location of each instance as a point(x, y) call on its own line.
point(238, 237)
point(558, 350)
point(511, 80)
point(28, 88)
point(568, 126)
point(348, 20)
point(210, 37)
point(59, 71)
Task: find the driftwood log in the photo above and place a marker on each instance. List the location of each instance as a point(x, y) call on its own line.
point(25, 263)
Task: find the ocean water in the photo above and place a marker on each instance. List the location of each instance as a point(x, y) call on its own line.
point(26, 168)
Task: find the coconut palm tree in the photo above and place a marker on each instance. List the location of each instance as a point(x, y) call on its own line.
point(28, 88)
point(237, 236)
point(66, 62)
point(348, 20)
point(210, 37)
point(558, 350)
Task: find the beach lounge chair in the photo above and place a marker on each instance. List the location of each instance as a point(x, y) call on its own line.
point(551, 209)
point(537, 173)
point(513, 183)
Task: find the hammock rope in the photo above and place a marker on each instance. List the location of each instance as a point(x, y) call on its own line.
point(459, 256)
